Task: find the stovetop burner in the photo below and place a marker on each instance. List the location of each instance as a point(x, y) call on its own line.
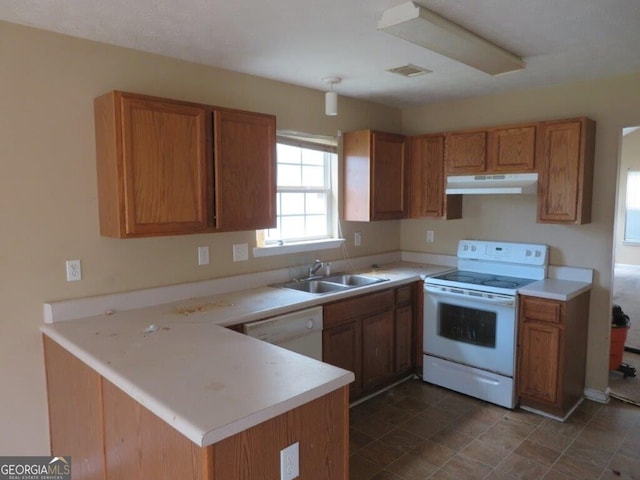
point(484, 279)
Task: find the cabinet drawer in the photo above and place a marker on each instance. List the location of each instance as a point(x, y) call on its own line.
point(341, 312)
point(404, 295)
point(541, 310)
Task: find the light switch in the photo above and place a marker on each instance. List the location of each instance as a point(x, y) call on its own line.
point(240, 252)
point(203, 255)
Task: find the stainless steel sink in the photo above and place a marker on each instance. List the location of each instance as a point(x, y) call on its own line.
point(334, 283)
point(313, 286)
point(353, 280)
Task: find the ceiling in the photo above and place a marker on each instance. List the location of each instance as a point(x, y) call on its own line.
point(300, 42)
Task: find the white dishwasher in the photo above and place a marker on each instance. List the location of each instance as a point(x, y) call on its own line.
point(299, 331)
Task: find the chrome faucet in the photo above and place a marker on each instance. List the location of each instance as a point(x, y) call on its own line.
point(317, 265)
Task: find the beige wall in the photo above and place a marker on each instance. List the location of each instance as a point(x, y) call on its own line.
point(48, 200)
point(612, 103)
point(629, 160)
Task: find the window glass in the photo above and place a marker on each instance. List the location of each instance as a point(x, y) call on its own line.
point(305, 200)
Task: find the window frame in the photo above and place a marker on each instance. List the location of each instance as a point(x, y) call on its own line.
point(325, 144)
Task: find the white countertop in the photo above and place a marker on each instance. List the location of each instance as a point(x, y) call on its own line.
point(206, 381)
point(555, 289)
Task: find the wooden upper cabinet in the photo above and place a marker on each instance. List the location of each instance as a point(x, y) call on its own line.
point(374, 176)
point(512, 149)
point(245, 177)
point(165, 167)
point(466, 152)
point(566, 151)
point(153, 166)
point(427, 180)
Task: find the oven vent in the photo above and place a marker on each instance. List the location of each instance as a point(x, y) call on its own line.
point(409, 70)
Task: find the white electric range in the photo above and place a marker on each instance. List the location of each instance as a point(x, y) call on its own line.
point(471, 315)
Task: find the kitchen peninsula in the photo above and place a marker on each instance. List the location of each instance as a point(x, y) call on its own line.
point(167, 392)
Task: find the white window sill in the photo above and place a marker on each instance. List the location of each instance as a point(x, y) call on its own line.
point(297, 247)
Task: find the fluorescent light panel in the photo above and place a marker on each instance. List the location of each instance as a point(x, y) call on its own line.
point(426, 29)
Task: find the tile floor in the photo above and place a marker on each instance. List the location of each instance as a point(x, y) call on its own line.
point(419, 431)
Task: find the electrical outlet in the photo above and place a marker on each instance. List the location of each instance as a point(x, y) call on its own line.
point(290, 462)
point(357, 239)
point(203, 255)
point(241, 252)
point(74, 271)
point(430, 236)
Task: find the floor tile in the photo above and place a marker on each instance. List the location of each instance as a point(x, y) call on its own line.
point(523, 468)
point(361, 468)
point(434, 453)
point(465, 468)
point(423, 427)
point(538, 453)
point(626, 466)
point(555, 441)
point(575, 467)
point(556, 475)
point(418, 431)
point(412, 467)
point(449, 437)
point(357, 440)
point(380, 453)
point(484, 453)
point(589, 454)
point(402, 440)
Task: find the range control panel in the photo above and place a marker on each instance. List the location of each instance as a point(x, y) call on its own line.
point(507, 252)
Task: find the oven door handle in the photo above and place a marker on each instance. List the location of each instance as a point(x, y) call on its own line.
point(496, 300)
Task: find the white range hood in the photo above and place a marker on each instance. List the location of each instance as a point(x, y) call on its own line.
point(508, 183)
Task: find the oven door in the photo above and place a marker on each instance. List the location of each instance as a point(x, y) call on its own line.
point(471, 329)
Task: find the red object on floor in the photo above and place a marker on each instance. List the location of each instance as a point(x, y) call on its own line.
point(616, 350)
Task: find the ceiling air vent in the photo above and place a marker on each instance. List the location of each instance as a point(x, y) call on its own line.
point(409, 70)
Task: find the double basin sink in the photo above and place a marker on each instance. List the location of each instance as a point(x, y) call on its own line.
point(330, 284)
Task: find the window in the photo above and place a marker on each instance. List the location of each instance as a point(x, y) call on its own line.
point(306, 193)
point(632, 220)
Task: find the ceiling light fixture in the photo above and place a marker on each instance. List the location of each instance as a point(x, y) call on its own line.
point(426, 29)
point(331, 97)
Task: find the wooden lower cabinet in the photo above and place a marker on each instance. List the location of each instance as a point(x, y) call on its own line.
point(110, 436)
point(372, 336)
point(377, 349)
point(552, 348)
point(341, 347)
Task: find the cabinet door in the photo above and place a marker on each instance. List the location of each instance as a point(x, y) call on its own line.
point(403, 339)
point(427, 180)
point(388, 196)
point(566, 171)
point(245, 181)
point(466, 152)
point(539, 365)
point(341, 347)
point(512, 149)
point(165, 167)
point(377, 349)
